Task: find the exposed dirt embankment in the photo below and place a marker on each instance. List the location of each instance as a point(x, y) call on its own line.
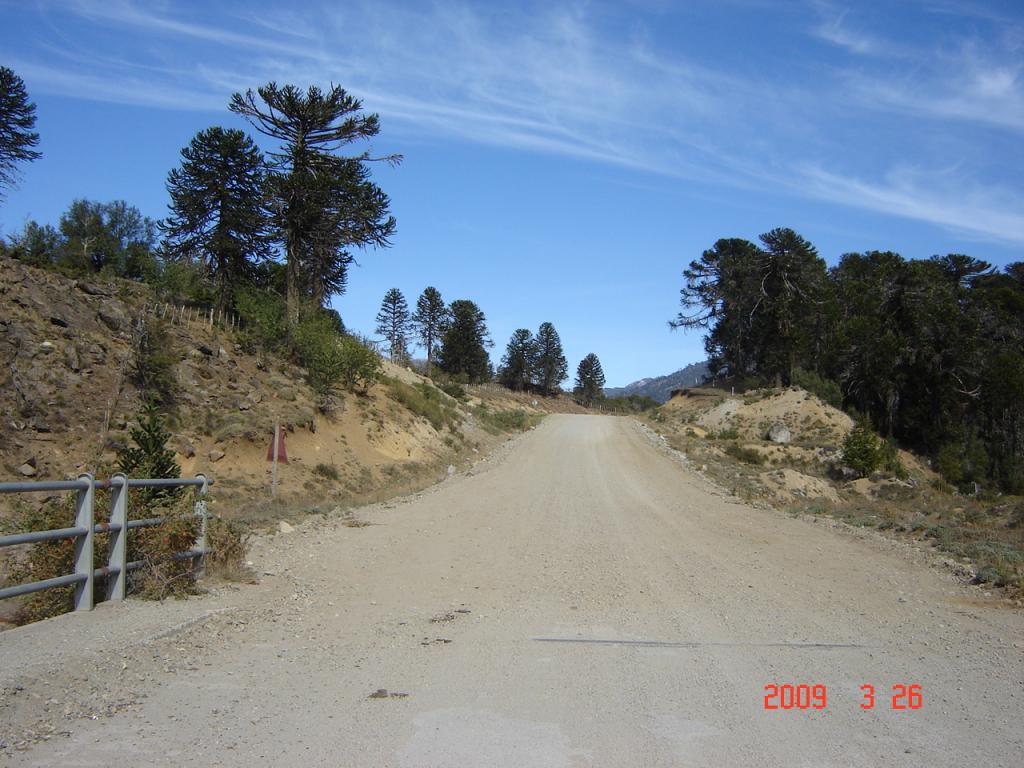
point(68, 399)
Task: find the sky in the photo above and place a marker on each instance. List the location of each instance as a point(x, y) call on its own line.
point(564, 162)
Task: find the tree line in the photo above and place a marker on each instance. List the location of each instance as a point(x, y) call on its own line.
point(930, 351)
point(456, 339)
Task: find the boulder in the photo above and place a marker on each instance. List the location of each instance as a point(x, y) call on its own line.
point(92, 289)
point(27, 469)
point(113, 316)
point(184, 446)
point(216, 454)
point(284, 527)
point(779, 433)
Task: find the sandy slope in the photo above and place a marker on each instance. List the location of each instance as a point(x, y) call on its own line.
point(580, 600)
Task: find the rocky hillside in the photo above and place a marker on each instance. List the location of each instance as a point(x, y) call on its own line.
point(68, 400)
point(660, 388)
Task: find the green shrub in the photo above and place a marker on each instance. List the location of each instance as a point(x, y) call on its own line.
point(152, 363)
point(889, 459)
point(825, 389)
point(744, 453)
point(729, 433)
point(360, 364)
point(264, 318)
point(333, 360)
point(861, 449)
point(327, 471)
point(515, 420)
point(454, 390)
point(425, 401)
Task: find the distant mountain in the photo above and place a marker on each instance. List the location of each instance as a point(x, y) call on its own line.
point(660, 387)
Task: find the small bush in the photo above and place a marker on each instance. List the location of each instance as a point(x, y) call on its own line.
point(327, 471)
point(333, 360)
point(425, 401)
point(230, 542)
point(889, 460)
point(152, 363)
point(729, 433)
point(744, 453)
point(515, 420)
point(360, 364)
point(264, 318)
point(454, 390)
point(861, 449)
point(825, 389)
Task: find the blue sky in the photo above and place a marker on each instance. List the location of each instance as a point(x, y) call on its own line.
point(564, 162)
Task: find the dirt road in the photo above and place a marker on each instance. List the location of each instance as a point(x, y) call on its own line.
point(582, 599)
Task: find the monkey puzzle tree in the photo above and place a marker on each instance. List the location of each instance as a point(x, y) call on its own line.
point(430, 320)
point(323, 204)
point(218, 209)
point(550, 365)
point(464, 344)
point(517, 365)
point(17, 119)
point(589, 380)
point(393, 324)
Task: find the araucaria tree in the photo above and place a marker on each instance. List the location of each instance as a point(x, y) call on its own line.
point(550, 365)
point(218, 208)
point(17, 120)
point(763, 306)
point(464, 345)
point(430, 320)
point(589, 380)
point(517, 365)
point(323, 204)
point(393, 324)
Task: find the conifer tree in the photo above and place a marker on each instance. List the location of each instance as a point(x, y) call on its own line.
point(219, 216)
point(430, 320)
point(550, 367)
point(17, 119)
point(464, 344)
point(393, 323)
point(589, 380)
point(517, 365)
point(150, 457)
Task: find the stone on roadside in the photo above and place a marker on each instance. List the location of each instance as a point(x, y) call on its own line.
point(216, 455)
point(284, 527)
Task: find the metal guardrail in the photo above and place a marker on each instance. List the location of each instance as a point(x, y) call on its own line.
point(85, 529)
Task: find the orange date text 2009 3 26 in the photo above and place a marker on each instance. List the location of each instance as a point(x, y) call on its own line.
point(802, 696)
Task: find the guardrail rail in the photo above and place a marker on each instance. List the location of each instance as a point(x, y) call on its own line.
point(85, 530)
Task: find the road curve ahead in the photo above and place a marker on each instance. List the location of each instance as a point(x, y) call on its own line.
point(581, 599)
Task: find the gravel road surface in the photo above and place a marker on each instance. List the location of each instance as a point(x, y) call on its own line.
point(580, 598)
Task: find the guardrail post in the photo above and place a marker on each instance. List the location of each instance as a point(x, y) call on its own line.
point(117, 564)
point(203, 514)
point(84, 544)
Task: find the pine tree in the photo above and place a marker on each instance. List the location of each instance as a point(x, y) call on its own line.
point(517, 365)
point(589, 380)
point(550, 367)
point(464, 344)
point(218, 209)
point(323, 203)
point(430, 320)
point(393, 323)
point(17, 119)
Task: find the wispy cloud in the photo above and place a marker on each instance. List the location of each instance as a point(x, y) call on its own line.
point(557, 81)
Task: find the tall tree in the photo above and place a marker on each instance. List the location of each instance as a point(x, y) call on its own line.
point(323, 204)
point(589, 380)
point(551, 367)
point(430, 320)
point(218, 209)
point(393, 324)
point(518, 363)
point(464, 344)
point(17, 120)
